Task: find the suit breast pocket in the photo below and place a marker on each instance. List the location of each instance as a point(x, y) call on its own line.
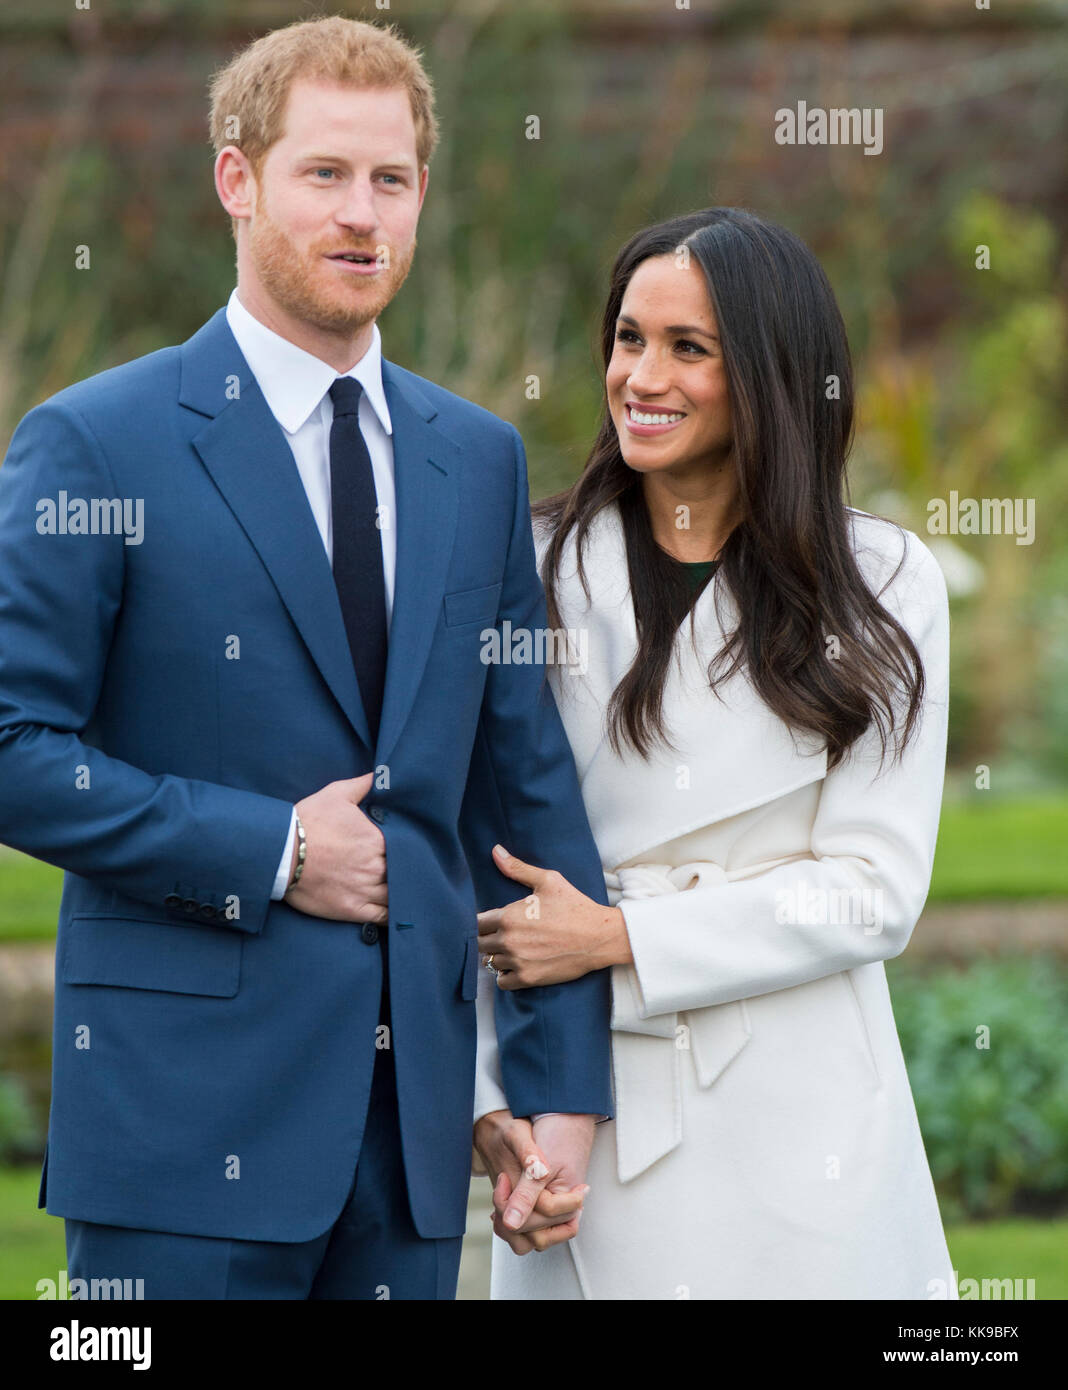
point(472, 605)
point(134, 953)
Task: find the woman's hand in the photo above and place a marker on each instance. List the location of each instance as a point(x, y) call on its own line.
point(554, 935)
point(525, 1180)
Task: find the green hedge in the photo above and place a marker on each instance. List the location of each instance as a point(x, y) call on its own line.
point(993, 1104)
point(19, 1137)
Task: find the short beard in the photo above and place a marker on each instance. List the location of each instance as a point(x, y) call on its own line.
point(291, 283)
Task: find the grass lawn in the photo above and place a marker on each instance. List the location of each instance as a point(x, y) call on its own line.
point(31, 1242)
point(32, 1246)
point(29, 898)
point(1017, 1249)
point(986, 849)
point(1001, 849)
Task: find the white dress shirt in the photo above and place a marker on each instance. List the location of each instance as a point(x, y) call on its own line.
point(296, 386)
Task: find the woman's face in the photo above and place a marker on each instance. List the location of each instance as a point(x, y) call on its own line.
point(666, 383)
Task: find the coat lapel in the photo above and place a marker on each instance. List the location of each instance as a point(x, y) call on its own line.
point(249, 458)
point(731, 753)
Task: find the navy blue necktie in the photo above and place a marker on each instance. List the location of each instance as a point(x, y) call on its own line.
point(358, 574)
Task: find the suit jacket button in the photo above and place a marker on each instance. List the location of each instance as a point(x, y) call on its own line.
point(378, 814)
point(191, 906)
point(172, 900)
point(208, 910)
point(369, 933)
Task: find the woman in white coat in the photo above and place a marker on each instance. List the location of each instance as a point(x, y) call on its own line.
point(755, 693)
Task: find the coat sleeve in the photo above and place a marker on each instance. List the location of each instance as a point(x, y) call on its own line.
point(859, 896)
point(551, 1049)
point(62, 799)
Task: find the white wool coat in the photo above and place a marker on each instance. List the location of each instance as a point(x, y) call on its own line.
point(764, 1143)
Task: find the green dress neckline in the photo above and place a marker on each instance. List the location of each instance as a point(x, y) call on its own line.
point(697, 571)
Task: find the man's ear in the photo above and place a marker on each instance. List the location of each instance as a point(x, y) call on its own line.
point(235, 183)
point(424, 176)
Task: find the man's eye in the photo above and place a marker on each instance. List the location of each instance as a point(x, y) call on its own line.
point(324, 171)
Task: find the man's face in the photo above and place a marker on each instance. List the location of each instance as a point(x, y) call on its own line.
point(343, 179)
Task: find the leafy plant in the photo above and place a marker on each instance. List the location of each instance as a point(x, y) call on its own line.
point(984, 1047)
point(18, 1134)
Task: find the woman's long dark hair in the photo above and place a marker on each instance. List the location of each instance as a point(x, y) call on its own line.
point(789, 562)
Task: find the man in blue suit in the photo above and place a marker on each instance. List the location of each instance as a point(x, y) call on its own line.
point(243, 584)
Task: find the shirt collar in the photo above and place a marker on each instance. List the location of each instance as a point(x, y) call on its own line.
point(294, 381)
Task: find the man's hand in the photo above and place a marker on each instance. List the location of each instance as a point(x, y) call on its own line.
point(344, 876)
point(542, 1207)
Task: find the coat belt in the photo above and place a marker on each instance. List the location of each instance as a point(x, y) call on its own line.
point(647, 1052)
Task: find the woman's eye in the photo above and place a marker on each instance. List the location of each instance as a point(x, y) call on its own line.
point(695, 347)
point(626, 335)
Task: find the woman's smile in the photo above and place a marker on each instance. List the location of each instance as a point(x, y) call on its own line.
point(648, 420)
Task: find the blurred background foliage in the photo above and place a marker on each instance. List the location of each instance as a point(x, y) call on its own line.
point(989, 1071)
point(644, 111)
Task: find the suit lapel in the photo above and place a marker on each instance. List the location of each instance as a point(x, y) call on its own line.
point(247, 454)
point(425, 465)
